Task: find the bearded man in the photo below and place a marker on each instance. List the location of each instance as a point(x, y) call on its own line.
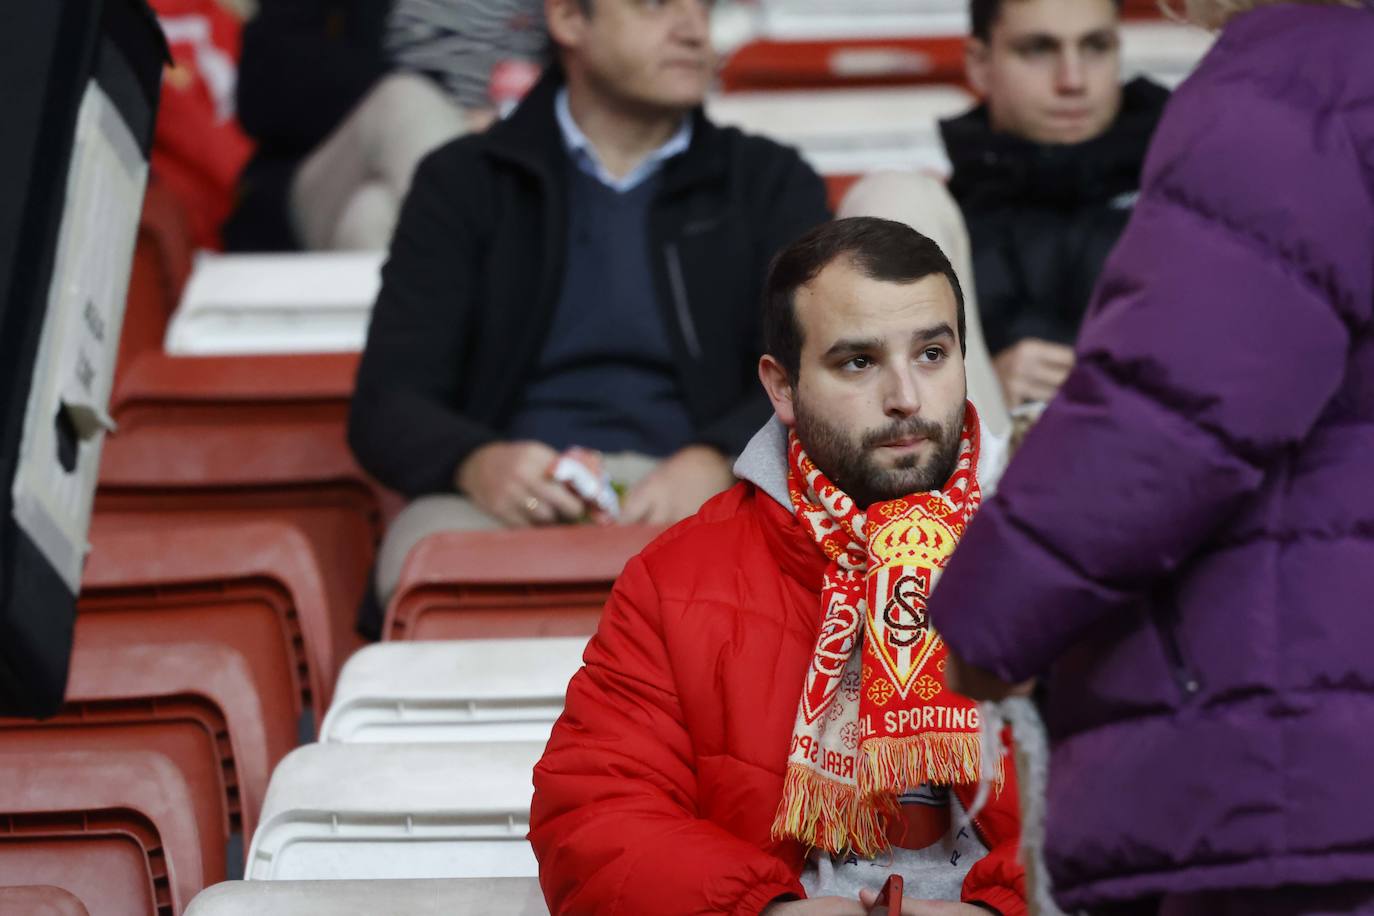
point(761, 724)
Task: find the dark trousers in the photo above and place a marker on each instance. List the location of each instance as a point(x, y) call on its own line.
point(1294, 900)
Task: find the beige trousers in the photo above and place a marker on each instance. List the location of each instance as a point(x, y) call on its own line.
point(451, 512)
point(346, 196)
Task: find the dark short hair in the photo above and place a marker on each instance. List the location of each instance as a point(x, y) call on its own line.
point(882, 249)
point(983, 16)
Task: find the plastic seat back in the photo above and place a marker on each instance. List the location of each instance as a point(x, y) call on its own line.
point(503, 584)
point(433, 897)
point(336, 811)
point(202, 682)
point(462, 690)
point(251, 584)
point(40, 900)
point(108, 822)
point(316, 302)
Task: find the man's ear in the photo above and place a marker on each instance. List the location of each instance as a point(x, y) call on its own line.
point(566, 22)
point(780, 390)
point(976, 55)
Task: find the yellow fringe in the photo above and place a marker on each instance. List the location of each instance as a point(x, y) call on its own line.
point(823, 812)
point(940, 758)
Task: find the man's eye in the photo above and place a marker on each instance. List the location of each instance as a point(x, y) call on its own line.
point(933, 354)
point(857, 363)
point(1099, 45)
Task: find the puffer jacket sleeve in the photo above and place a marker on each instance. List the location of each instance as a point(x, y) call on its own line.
point(614, 821)
point(998, 881)
point(1220, 332)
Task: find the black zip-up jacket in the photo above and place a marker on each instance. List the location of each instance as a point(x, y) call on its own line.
point(1042, 219)
point(476, 267)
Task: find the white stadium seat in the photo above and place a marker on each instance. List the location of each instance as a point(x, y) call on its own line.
point(850, 131)
point(463, 690)
point(827, 19)
point(336, 811)
point(236, 304)
point(446, 897)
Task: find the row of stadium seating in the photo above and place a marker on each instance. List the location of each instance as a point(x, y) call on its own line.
point(421, 771)
point(231, 543)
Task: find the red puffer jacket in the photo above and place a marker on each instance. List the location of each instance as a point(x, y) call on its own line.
point(659, 785)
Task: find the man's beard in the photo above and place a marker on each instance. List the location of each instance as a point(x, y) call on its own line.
point(853, 466)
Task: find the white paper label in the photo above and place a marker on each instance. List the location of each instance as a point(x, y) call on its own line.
point(74, 369)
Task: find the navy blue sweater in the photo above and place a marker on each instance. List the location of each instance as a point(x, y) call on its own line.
point(605, 377)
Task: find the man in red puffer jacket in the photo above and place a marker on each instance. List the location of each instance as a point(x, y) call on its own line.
point(762, 725)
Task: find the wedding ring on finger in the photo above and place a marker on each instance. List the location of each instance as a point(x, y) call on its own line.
point(532, 505)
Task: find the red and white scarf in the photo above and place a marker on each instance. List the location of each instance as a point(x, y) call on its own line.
point(873, 723)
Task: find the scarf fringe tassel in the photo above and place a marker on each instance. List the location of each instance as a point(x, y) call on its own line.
point(823, 812)
point(939, 758)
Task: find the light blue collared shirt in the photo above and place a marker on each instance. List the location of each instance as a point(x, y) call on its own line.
point(584, 154)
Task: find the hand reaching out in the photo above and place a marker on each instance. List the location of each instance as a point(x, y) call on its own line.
point(1032, 370)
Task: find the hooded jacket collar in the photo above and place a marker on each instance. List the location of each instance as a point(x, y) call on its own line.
point(998, 169)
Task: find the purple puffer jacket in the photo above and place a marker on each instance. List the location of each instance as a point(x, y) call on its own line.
point(1184, 546)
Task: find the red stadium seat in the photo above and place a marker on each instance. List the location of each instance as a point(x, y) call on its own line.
point(891, 55)
point(106, 670)
point(194, 702)
point(532, 582)
point(185, 742)
point(253, 584)
point(40, 900)
point(115, 829)
point(1145, 9)
point(233, 437)
point(289, 388)
point(107, 864)
point(162, 262)
point(836, 187)
point(848, 62)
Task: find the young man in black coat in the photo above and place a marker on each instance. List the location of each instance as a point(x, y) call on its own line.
point(585, 273)
point(1045, 171)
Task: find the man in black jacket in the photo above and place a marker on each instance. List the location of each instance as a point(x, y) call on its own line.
point(586, 273)
point(1046, 171)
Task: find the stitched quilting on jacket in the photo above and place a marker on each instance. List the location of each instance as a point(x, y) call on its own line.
point(1184, 545)
point(660, 783)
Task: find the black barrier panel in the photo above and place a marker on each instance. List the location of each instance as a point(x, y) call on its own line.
point(79, 82)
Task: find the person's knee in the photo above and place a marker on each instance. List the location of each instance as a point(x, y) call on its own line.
point(405, 116)
point(367, 220)
point(901, 196)
point(921, 202)
point(421, 518)
point(398, 92)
